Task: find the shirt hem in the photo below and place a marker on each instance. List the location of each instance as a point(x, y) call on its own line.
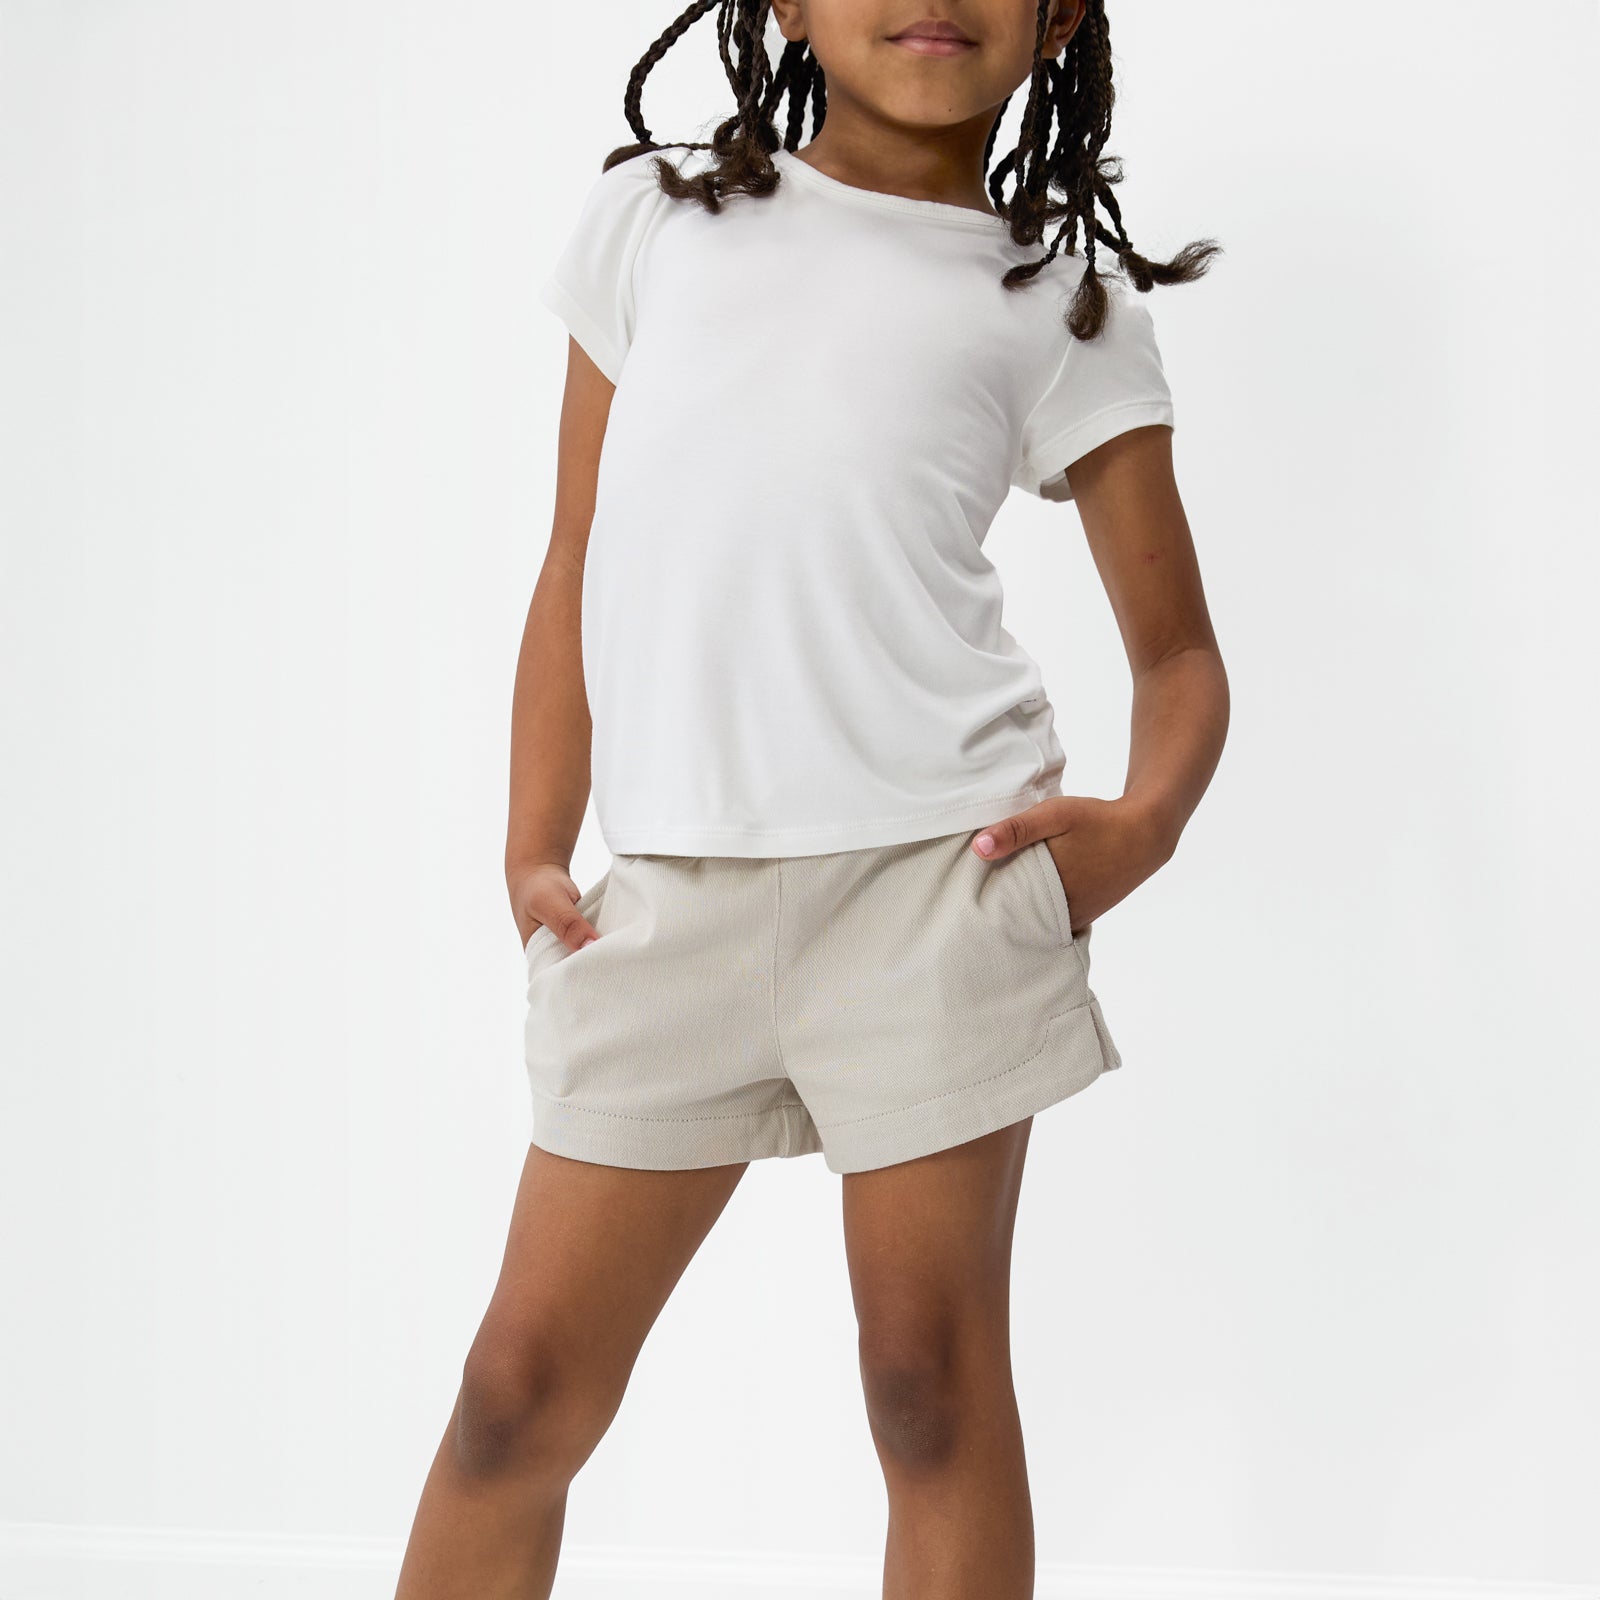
point(1052, 458)
point(582, 326)
point(671, 840)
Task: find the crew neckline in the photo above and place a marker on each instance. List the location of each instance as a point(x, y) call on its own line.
point(940, 211)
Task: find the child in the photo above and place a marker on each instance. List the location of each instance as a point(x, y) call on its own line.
point(849, 907)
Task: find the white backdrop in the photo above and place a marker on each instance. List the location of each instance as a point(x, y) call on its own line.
point(1307, 1295)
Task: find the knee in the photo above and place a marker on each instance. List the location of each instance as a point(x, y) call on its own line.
point(913, 1406)
point(527, 1408)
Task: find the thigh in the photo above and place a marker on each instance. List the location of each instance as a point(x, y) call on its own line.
point(928, 1241)
point(591, 1256)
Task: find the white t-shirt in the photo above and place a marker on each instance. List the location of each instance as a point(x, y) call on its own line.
point(792, 638)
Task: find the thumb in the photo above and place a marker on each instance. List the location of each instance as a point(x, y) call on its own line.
point(1015, 832)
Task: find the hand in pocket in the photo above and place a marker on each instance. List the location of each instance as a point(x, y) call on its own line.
point(1102, 849)
point(544, 895)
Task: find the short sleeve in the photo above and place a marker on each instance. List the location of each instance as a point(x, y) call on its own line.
point(1102, 387)
point(591, 285)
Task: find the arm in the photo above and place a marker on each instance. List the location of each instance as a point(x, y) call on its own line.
point(550, 727)
point(1141, 544)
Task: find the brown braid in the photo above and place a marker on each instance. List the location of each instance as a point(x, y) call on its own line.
point(1060, 182)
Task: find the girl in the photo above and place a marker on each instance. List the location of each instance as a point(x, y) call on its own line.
point(849, 907)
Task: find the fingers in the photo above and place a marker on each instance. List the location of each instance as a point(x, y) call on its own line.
point(1005, 838)
point(1015, 833)
point(571, 927)
point(999, 839)
point(546, 896)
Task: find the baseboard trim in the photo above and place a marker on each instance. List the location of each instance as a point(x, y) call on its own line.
point(55, 1561)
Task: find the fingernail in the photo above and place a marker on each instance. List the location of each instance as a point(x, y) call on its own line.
point(589, 941)
point(985, 844)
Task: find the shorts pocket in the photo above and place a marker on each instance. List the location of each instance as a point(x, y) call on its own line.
point(1058, 895)
point(544, 938)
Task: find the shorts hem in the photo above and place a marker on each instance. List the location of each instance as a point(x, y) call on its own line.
point(1075, 1050)
point(675, 1144)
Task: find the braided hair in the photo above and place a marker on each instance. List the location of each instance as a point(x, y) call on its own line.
point(1056, 183)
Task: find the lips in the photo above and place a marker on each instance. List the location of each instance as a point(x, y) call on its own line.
point(934, 38)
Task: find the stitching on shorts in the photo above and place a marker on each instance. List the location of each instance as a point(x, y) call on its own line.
point(1057, 892)
point(1046, 863)
point(624, 1116)
point(777, 923)
point(1058, 898)
point(965, 1088)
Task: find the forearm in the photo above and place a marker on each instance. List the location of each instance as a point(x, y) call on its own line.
point(550, 726)
point(1179, 725)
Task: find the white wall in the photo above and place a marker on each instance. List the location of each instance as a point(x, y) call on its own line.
point(1309, 1288)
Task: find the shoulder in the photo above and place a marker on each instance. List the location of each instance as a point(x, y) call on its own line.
point(1128, 320)
point(628, 182)
point(1067, 272)
point(617, 209)
point(628, 195)
point(636, 174)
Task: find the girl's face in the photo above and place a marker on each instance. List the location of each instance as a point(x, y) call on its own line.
point(869, 52)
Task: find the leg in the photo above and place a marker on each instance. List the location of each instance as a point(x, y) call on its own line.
point(929, 1248)
point(592, 1255)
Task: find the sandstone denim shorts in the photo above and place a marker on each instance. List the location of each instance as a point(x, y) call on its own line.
point(874, 1004)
